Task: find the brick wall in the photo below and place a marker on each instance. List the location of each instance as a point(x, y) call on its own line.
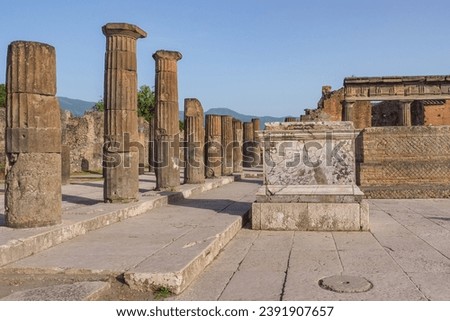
point(404, 162)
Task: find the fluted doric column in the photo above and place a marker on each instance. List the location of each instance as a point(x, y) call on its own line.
point(237, 146)
point(257, 142)
point(348, 110)
point(248, 146)
point(167, 130)
point(33, 137)
point(213, 146)
point(121, 155)
point(194, 136)
point(227, 145)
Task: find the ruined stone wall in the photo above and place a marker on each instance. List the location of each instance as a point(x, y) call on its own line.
point(329, 108)
point(84, 136)
point(437, 114)
point(404, 162)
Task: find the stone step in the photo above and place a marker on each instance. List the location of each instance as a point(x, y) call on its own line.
point(16, 244)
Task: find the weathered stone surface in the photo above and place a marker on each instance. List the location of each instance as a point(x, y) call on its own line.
point(227, 145)
point(309, 153)
point(309, 216)
point(194, 136)
point(80, 291)
point(213, 146)
point(237, 145)
point(166, 131)
point(31, 68)
point(257, 142)
point(33, 189)
point(33, 137)
point(121, 121)
point(141, 144)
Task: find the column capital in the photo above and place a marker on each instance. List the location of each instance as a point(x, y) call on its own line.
point(167, 54)
point(124, 29)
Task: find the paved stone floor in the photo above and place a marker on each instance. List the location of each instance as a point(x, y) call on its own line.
point(405, 256)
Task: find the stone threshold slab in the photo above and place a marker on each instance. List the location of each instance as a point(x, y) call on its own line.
point(18, 244)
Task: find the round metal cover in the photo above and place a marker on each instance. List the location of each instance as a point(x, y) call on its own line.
point(345, 284)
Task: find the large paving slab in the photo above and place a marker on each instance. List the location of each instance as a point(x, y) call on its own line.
point(165, 247)
point(404, 256)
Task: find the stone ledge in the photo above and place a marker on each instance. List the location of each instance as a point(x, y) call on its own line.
point(311, 216)
point(106, 214)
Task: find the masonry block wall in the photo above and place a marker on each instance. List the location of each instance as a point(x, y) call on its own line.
point(404, 162)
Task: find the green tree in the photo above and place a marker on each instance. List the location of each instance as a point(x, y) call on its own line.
point(99, 106)
point(146, 102)
point(2, 95)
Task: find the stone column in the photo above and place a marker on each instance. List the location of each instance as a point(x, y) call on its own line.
point(248, 149)
point(142, 142)
point(33, 137)
point(227, 145)
point(121, 161)
point(167, 129)
point(348, 110)
point(405, 116)
point(237, 146)
point(65, 164)
point(257, 143)
point(194, 136)
point(213, 146)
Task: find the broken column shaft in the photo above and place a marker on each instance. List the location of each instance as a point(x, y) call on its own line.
point(33, 137)
point(194, 136)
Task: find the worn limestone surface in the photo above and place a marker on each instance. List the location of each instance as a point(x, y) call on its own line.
point(405, 256)
point(237, 145)
point(80, 291)
point(227, 145)
point(167, 247)
point(33, 137)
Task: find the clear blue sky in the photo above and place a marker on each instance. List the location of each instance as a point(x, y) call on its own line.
point(260, 57)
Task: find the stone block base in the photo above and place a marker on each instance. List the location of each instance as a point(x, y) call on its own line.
point(311, 216)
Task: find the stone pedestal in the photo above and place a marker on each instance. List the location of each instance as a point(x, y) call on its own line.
point(309, 179)
point(167, 129)
point(194, 136)
point(121, 157)
point(237, 146)
point(227, 145)
point(33, 137)
point(213, 146)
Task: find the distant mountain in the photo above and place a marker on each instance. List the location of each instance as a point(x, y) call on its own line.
point(241, 117)
point(76, 106)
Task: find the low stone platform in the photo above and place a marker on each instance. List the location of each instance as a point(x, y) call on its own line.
point(85, 211)
point(310, 208)
point(167, 247)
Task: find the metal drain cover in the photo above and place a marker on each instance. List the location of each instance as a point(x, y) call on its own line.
point(345, 284)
